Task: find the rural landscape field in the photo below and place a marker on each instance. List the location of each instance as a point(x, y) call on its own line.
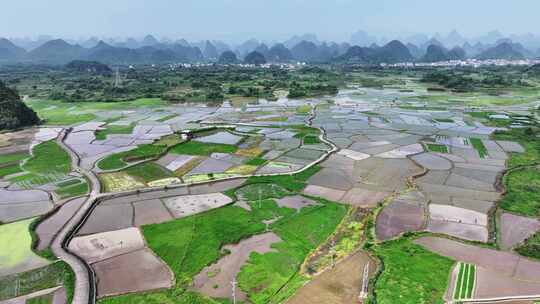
point(304, 171)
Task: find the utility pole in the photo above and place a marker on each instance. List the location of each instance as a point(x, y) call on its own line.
point(333, 253)
point(234, 283)
point(117, 78)
point(260, 195)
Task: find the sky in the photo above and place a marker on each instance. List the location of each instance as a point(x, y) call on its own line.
point(236, 20)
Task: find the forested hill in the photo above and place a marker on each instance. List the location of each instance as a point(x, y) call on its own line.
point(13, 112)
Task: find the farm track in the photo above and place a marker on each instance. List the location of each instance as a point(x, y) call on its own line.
point(85, 281)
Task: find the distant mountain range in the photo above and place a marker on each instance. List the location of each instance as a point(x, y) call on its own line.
point(366, 49)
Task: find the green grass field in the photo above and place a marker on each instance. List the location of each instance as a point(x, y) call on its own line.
point(523, 192)
point(114, 129)
point(8, 170)
point(294, 183)
point(478, 145)
point(528, 139)
point(68, 113)
point(254, 192)
point(311, 140)
point(46, 299)
point(437, 148)
point(257, 161)
point(187, 245)
point(120, 160)
point(465, 281)
point(10, 158)
point(200, 148)
point(15, 241)
point(411, 274)
point(49, 163)
point(531, 247)
point(264, 276)
point(72, 190)
point(148, 172)
point(58, 273)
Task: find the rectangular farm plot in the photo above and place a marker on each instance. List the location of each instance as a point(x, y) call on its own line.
point(465, 281)
point(136, 271)
point(101, 246)
point(182, 206)
point(221, 138)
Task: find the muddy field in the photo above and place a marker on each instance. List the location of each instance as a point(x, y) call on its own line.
point(214, 280)
point(339, 285)
point(105, 245)
point(137, 271)
point(499, 273)
point(399, 217)
point(515, 229)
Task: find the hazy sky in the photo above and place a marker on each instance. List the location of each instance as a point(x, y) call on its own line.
point(264, 19)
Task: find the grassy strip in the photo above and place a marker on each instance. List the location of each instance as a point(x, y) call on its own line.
point(114, 129)
point(49, 162)
point(294, 183)
point(257, 161)
point(45, 299)
point(311, 140)
point(531, 247)
point(472, 278)
point(73, 190)
point(19, 284)
point(523, 192)
point(119, 160)
point(528, 138)
point(478, 145)
point(411, 273)
point(8, 170)
point(449, 120)
point(15, 157)
point(459, 281)
point(465, 282)
point(170, 116)
point(148, 172)
point(200, 148)
point(437, 148)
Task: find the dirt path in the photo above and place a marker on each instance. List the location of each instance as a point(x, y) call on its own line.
point(340, 285)
point(84, 289)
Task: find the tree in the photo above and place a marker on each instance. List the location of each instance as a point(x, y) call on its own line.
point(13, 112)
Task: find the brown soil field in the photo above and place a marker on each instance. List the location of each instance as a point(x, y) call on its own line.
point(137, 271)
point(339, 285)
point(363, 198)
point(108, 218)
point(324, 192)
point(398, 217)
point(431, 161)
point(100, 246)
point(296, 202)
point(505, 263)
point(491, 284)
point(460, 230)
point(150, 212)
